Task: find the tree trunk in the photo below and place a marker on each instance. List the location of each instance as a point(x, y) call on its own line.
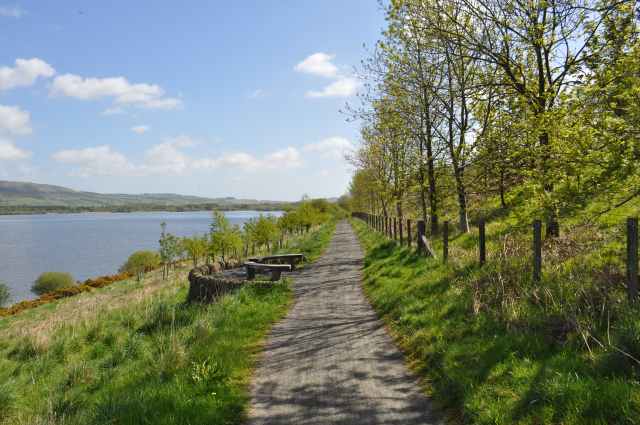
point(503, 203)
point(433, 199)
point(462, 197)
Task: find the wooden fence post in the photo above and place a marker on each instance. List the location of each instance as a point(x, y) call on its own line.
point(482, 241)
point(420, 235)
point(445, 241)
point(409, 233)
point(395, 228)
point(434, 225)
point(537, 250)
point(400, 231)
point(632, 258)
point(386, 227)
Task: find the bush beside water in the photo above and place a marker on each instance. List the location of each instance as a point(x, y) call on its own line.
point(52, 281)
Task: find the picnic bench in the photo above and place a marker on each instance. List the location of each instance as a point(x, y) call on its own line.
point(290, 259)
point(275, 269)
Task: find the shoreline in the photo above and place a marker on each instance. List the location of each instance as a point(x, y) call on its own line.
point(26, 210)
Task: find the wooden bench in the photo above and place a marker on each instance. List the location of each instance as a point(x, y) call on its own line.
point(290, 259)
point(275, 269)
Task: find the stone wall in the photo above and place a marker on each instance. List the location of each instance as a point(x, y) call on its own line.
point(206, 284)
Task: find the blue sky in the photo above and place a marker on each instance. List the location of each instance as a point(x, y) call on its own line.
point(206, 98)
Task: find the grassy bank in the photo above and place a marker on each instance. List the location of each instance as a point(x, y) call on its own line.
point(493, 348)
point(135, 353)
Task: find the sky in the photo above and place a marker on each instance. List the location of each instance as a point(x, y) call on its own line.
point(201, 98)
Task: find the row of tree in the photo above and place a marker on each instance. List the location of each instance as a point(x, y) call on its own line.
point(534, 103)
point(228, 243)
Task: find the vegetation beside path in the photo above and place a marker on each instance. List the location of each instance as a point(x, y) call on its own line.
point(492, 354)
point(135, 352)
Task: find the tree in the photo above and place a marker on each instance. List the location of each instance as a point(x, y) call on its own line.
point(225, 239)
point(535, 102)
point(248, 236)
point(196, 248)
point(540, 49)
point(5, 295)
point(51, 281)
point(169, 250)
point(141, 262)
point(266, 231)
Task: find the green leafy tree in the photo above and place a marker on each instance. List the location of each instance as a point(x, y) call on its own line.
point(248, 236)
point(5, 295)
point(141, 262)
point(196, 248)
point(266, 231)
point(170, 249)
point(225, 239)
point(52, 281)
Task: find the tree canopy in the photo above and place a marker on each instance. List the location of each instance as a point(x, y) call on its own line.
point(535, 103)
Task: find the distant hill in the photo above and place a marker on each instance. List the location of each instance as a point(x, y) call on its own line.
point(39, 197)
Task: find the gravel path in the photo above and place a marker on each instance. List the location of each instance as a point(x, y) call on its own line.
point(330, 361)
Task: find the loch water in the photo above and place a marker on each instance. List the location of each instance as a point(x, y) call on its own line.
point(88, 244)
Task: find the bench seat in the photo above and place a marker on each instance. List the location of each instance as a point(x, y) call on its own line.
point(275, 269)
point(290, 259)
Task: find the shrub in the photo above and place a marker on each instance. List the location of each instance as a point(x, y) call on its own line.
point(4, 294)
point(88, 285)
point(51, 281)
point(140, 262)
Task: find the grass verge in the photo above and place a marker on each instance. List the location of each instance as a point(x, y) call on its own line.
point(496, 351)
point(154, 359)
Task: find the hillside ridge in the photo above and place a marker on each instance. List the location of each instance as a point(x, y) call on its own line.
point(14, 193)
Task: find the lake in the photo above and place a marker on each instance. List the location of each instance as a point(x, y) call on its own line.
point(88, 244)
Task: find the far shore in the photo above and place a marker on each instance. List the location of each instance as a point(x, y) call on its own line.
point(36, 210)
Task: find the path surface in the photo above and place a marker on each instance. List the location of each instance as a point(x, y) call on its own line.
point(330, 361)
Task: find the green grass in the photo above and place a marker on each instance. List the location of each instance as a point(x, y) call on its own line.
point(494, 348)
point(313, 247)
point(157, 360)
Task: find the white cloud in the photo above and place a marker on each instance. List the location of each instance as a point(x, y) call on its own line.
point(140, 129)
point(100, 160)
point(25, 73)
point(287, 158)
point(12, 11)
point(10, 152)
point(164, 103)
point(14, 120)
point(124, 93)
point(165, 158)
point(318, 64)
point(168, 158)
point(181, 141)
point(282, 159)
point(332, 147)
point(342, 87)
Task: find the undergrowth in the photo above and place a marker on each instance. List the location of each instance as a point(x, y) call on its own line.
point(496, 348)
